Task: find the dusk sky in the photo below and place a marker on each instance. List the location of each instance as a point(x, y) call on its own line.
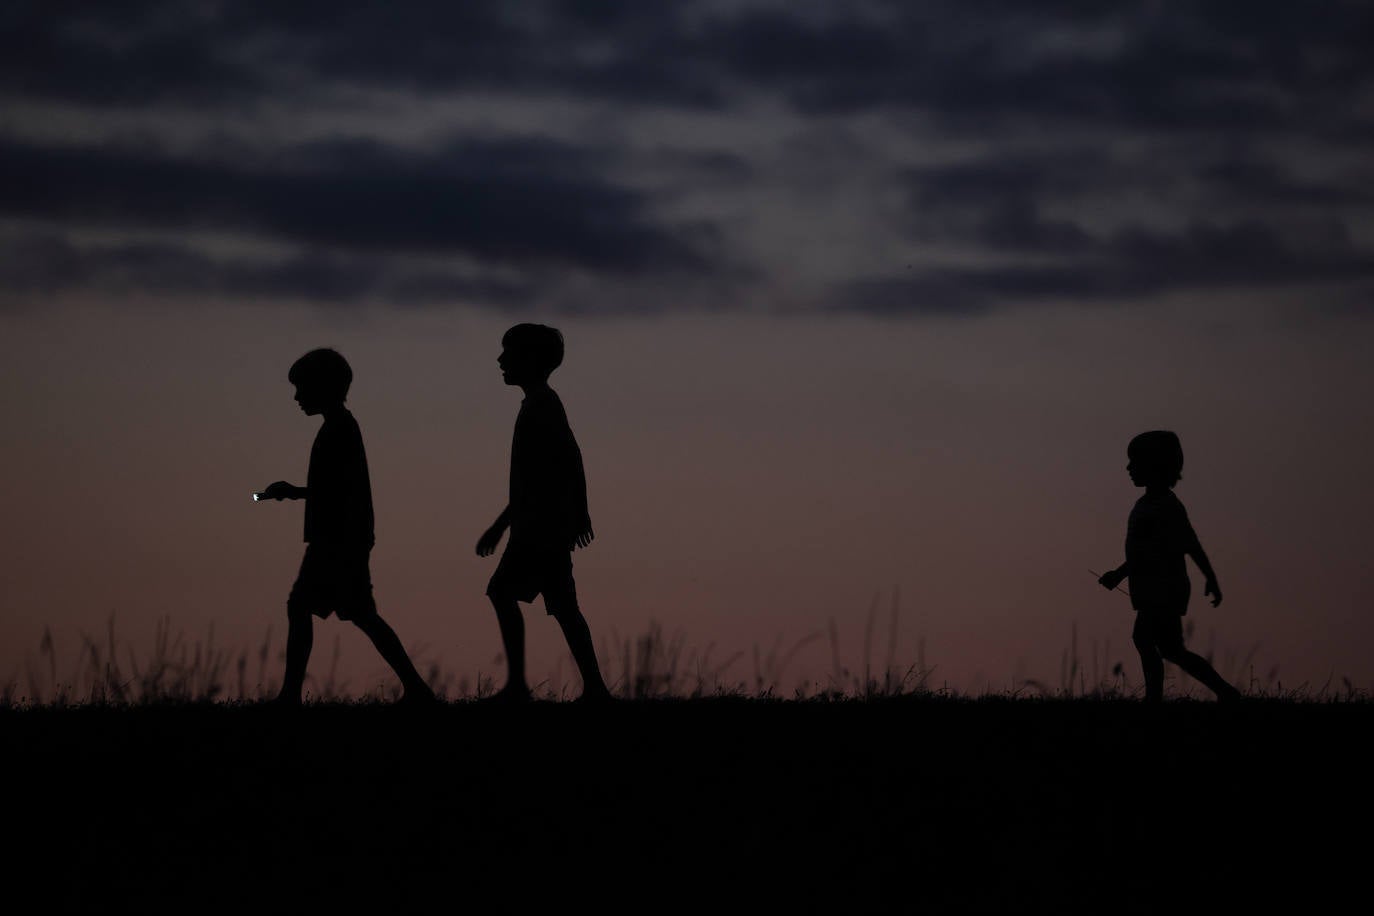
point(858, 297)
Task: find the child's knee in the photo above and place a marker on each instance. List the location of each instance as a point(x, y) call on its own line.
point(368, 623)
point(503, 603)
point(502, 593)
point(563, 608)
point(1176, 655)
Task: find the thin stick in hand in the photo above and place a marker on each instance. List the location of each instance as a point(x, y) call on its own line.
point(1118, 585)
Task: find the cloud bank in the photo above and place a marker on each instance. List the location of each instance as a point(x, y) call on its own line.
point(883, 157)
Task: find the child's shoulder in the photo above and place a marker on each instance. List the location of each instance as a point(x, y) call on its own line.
point(1159, 498)
point(1163, 504)
point(342, 418)
point(340, 427)
point(545, 405)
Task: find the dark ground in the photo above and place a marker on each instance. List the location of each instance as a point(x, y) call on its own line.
point(910, 805)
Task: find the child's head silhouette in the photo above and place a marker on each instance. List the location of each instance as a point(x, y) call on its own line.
point(1155, 458)
point(530, 353)
point(321, 378)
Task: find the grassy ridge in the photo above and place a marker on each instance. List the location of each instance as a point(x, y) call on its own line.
point(925, 804)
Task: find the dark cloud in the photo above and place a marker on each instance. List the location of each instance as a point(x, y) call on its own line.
point(505, 202)
point(1263, 182)
point(1224, 111)
point(927, 293)
point(44, 264)
point(138, 53)
point(1065, 171)
point(1034, 206)
point(616, 51)
point(149, 52)
point(1133, 263)
point(998, 202)
point(1050, 226)
point(1221, 65)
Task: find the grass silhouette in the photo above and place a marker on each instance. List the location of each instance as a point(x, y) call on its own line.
point(177, 668)
point(154, 780)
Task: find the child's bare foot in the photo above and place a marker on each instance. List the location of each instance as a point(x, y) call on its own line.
point(596, 697)
point(418, 696)
point(1229, 695)
point(509, 696)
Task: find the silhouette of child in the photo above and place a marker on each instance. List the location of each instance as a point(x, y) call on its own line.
point(546, 514)
point(334, 576)
point(1158, 537)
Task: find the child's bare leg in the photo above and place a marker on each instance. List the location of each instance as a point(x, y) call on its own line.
point(389, 645)
point(1151, 665)
point(1198, 667)
point(579, 637)
point(512, 624)
point(300, 638)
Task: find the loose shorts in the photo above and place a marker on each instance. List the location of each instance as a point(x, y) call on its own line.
point(1160, 594)
point(1161, 629)
point(528, 570)
point(334, 580)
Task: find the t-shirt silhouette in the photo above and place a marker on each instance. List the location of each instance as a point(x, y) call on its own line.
point(338, 502)
point(548, 492)
point(1158, 537)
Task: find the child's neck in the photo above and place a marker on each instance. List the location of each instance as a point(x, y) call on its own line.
point(1157, 489)
point(333, 410)
point(539, 387)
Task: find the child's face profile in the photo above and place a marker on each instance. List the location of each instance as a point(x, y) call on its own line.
point(516, 366)
point(1135, 471)
point(1145, 472)
point(311, 401)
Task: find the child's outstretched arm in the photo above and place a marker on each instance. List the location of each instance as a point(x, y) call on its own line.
point(486, 544)
point(1200, 558)
point(282, 490)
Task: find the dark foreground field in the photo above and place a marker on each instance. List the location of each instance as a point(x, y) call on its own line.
point(921, 805)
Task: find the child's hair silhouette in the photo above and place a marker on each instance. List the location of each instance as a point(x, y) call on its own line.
point(324, 371)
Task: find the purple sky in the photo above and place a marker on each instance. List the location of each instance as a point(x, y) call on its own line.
point(858, 296)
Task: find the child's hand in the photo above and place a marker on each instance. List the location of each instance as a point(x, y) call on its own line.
point(279, 491)
point(1211, 588)
point(584, 537)
point(1110, 580)
point(486, 544)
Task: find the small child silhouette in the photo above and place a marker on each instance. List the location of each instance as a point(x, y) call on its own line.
point(334, 576)
point(1158, 537)
point(546, 514)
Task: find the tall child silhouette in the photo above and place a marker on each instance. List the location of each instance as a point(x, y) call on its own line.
point(546, 514)
point(1158, 537)
point(334, 574)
